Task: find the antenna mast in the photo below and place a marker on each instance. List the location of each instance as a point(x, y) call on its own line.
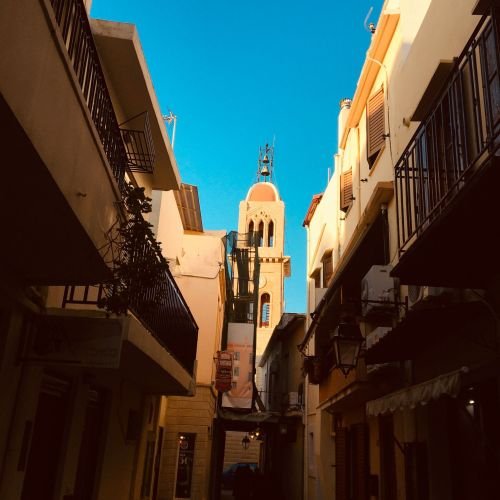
point(171, 118)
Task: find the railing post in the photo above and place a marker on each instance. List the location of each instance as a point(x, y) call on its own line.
point(71, 16)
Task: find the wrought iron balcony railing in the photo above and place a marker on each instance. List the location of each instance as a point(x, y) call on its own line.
point(458, 137)
point(154, 299)
point(75, 30)
point(152, 296)
point(138, 140)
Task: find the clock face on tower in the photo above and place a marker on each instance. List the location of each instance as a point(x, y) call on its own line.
point(262, 281)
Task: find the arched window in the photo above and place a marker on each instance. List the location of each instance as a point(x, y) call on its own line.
point(270, 234)
point(261, 234)
point(265, 309)
point(250, 235)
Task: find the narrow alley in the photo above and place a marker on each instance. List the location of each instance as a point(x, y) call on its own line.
point(164, 163)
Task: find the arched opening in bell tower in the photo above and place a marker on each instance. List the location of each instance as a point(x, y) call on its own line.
point(270, 234)
point(250, 233)
point(265, 310)
point(261, 234)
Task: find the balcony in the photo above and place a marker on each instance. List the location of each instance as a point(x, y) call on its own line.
point(118, 347)
point(422, 330)
point(63, 151)
point(447, 178)
point(151, 296)
point(127, 77)
point(136, 135)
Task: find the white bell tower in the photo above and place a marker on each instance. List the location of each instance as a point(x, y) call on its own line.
point(263, 214)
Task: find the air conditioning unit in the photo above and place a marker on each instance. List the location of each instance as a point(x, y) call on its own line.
point(423, 296)
point(377, 291)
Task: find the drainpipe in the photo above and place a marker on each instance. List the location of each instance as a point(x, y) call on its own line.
point(305, 393)
point(358, 166)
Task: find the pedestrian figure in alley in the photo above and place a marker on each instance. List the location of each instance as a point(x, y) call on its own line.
point(262, 488)
point(265, 488)
point(243, 483)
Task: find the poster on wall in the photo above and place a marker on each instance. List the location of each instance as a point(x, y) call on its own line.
point(240, 342)
point(185, 465)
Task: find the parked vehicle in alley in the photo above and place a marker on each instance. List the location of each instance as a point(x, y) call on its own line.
point(229, 474)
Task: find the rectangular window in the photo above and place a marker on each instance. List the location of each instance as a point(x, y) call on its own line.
point(327, 268)
point(250, 376)
point(250, 357)
point(316, 277)
point(346, 193)
point(236, 371)
point(236, 356)
point(375, 125)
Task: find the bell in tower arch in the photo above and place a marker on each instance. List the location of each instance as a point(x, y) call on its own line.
point(265, 162)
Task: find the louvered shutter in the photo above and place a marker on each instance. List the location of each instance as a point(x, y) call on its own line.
point(346, 193)
point(375, 124)
point(341, 464)
point(387, 458)
point(416, 471)
point(327, 268)
point(360, 462)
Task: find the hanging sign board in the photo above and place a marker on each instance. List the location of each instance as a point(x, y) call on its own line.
point(223, 371)
point(92, 342)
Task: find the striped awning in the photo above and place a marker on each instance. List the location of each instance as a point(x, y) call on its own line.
point(419, 394)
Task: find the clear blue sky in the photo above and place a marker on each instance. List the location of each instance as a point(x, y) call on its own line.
point(238, 73)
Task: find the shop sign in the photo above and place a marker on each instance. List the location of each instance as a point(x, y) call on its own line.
point(74, 340)
point(223, 371)
point(185, 465)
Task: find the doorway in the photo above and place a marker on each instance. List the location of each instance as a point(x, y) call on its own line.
point(47, 439)
point(88, 457)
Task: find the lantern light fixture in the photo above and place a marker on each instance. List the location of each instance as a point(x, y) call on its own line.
point(245, 442)
point(347, 341)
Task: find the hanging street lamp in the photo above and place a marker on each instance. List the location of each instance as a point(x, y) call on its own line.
point(245, 442)
point(347, 341)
